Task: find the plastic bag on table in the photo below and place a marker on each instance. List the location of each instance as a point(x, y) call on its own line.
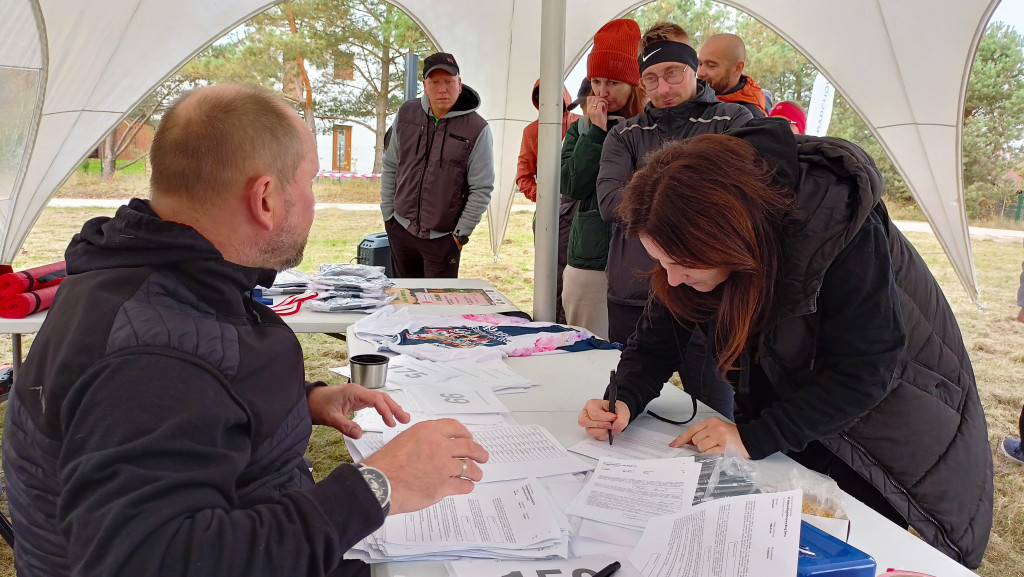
point(822, 496)
point(350, 269)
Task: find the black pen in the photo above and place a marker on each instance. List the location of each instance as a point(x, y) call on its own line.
point(609, 570)
point(613, 391)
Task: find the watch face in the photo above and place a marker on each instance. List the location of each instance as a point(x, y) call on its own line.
point(378, 483)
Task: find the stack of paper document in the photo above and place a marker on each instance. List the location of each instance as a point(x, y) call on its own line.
point(513, 520)
point(288, 282)
point(516, 452)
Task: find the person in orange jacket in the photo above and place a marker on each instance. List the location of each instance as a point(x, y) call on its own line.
point(526, 171)
point(721, 61)
point(526, 180)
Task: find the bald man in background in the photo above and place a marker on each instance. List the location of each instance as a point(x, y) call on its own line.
point(721, 62)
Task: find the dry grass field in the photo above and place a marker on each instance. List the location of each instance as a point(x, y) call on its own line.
point(994, 338)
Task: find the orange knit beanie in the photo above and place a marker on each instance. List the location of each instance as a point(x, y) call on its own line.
point(614, 53)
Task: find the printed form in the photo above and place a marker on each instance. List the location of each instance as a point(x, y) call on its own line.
point(635, 442)
point(516, 452)
point(629, 493)
point(746, 536)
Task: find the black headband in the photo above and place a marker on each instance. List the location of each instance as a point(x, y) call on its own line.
point(667, 51)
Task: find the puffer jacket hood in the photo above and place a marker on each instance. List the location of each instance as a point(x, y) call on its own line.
point(136, 237)
point(535, 98)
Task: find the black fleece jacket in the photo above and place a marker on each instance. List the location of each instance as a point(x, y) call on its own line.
point(160, 419)
point(860, 348)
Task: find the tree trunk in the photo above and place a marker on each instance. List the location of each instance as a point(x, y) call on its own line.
point(109, 161)
point(307, 107)
point(382, 97)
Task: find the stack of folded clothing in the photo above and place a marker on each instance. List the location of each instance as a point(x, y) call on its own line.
point(349, 287)
point(25, 292)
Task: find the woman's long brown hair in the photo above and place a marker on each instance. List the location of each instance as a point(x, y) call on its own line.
point(711, 202)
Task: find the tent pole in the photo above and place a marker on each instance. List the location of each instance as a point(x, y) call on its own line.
point(549, 145)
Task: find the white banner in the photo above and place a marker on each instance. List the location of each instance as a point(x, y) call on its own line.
point(820, 112)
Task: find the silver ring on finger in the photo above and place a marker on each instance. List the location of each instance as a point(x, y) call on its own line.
point(465, 468)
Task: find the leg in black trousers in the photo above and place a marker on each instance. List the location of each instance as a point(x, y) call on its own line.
point(414, 257)
point(406, 261)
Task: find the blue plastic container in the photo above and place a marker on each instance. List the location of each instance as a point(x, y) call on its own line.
point(822, 554)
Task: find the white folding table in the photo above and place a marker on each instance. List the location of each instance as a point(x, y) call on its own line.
point(568, 380)
point(306, 321)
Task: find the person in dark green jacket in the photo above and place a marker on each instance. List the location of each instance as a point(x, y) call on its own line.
point(614, 94)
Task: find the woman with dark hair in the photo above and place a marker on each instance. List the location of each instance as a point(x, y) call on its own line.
point(615, 94)
point(843, 351)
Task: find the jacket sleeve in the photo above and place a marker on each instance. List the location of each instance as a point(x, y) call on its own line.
point(389, 174)
point(481, 183)
point(651, 355)
point(581, 160)
point(741, 115)
point(526, 169)
point(155, 445)
point(860, 338)
point(617, 166)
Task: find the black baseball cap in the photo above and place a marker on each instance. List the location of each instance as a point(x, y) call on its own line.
point(440, 61)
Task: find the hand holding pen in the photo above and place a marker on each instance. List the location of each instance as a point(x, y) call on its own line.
point(598, 418)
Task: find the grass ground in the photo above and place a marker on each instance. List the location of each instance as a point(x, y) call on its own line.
point(994, 339)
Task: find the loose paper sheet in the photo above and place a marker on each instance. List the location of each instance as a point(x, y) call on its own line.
point(630, 492)
point(746, 536)
point(635, 442)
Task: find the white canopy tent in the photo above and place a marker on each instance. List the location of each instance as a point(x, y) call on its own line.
point(69, 71)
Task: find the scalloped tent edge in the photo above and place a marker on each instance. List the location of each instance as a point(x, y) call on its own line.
point(90, 63)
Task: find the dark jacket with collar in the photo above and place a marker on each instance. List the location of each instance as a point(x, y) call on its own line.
point(624, 151)
point(438, 174)
point(159, 422)
point(861, 348)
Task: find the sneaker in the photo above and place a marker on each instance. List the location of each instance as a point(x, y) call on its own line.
point(1013, 449)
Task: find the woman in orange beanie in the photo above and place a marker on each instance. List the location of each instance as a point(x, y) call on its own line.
point(615, 94)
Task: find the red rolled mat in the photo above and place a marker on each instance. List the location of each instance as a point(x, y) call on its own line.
point(19, 306)
point(32, 279)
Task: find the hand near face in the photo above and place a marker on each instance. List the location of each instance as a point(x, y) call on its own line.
point(598, 421)
point(597, 111)
point(330, 406)
point(428, 462)
point(712, 435)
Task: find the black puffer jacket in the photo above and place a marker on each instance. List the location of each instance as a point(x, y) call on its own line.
point(624, 150)
point(860, 347)
point(159, 422)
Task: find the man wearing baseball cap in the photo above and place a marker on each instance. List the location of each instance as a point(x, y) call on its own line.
point(438, 174)
point(681, 106)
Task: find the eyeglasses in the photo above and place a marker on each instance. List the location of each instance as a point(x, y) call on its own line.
point(671, 76)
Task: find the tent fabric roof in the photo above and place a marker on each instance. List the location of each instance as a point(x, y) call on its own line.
point(95, 61)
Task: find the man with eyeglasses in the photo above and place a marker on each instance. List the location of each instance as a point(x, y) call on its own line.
point(438, 174)
point(681, 106)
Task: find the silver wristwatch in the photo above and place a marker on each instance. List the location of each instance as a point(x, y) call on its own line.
point(379, 484)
